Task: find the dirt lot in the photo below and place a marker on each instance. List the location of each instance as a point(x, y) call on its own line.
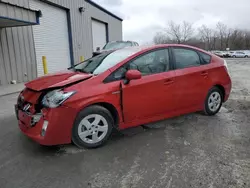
point(188, 151)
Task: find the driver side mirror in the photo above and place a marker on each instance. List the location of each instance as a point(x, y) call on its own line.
point(98, 49)
point(132, 75)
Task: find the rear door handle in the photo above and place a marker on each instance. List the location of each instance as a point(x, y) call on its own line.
point(204, 73)
point(168, 81)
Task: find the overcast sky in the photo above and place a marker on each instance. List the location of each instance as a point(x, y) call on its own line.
point(143, 18)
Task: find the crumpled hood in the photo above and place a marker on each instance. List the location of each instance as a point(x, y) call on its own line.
point(58, 79)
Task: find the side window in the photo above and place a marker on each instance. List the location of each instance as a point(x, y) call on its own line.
point(205, 58)
point(185, 58)
point(151, 63)
point(119, 73)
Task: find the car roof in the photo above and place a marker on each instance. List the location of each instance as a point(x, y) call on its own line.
point(121, 41)
point(151, 47)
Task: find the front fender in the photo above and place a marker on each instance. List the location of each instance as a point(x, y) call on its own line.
point(113, 100)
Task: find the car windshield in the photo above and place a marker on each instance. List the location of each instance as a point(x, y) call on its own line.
point(104, 61)
point(116, 45)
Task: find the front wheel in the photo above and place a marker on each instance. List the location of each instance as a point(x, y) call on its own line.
point(213, 101)
point(92, 127)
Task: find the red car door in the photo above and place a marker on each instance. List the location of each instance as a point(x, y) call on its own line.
point(192, 77)
point(153, 94)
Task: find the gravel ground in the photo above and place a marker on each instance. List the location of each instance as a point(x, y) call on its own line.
point(188, 151)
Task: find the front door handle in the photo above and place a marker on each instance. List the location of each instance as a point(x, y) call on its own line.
point(168, 81)
point(204, 73)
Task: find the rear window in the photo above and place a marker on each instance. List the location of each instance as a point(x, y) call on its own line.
point(205, 58)
point(116, 45)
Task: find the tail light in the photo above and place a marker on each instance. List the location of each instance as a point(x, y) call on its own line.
point(226, 67)
point(225, 64)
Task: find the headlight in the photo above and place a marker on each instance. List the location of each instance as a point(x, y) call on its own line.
point(54, 98)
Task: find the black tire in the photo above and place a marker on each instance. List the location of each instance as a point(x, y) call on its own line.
point(246, 56)
point(234, 56)
point(95, 109)
point(207, 110)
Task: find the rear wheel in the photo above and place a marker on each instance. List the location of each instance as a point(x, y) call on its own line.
point(92, 127)
point(213, 101)
point(246, 56)
point(234, 56)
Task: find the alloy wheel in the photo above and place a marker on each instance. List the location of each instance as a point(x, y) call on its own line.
point(93, 128)
point(214, 101)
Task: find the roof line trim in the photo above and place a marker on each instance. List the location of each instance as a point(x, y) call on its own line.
point(17, 6)
point(103, 9)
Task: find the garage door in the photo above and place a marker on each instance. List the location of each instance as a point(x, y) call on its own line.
point(51, 38)
point(98, 34)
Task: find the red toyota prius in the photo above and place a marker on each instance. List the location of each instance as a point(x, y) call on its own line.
point(121, 89)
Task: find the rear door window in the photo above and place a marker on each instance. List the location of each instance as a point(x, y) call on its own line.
point(205, 58)
point(185, 58)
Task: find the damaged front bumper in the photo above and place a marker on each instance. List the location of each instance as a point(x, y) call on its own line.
point(32, 119)
point(50, 127)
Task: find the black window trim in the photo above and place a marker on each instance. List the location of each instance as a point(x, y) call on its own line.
point(171, 64)
point(183, 47)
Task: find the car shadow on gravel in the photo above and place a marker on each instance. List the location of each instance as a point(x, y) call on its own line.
point(37, 150)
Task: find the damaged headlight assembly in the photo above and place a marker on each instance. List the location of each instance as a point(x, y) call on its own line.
point(55, 98)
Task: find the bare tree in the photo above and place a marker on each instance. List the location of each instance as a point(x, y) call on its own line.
point(214, 40)
point(228, 36)
point(174, 31)
point(160, 38)
point(247, 39)
point(234, 37)
point(237, 39)
point(224, 34)
point(179, 33)
point(208, 38)
point(206, 35)
point(195, 41)
point(187, 31)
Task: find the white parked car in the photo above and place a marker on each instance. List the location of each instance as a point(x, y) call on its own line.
point(219, 53)
point(239, 55)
